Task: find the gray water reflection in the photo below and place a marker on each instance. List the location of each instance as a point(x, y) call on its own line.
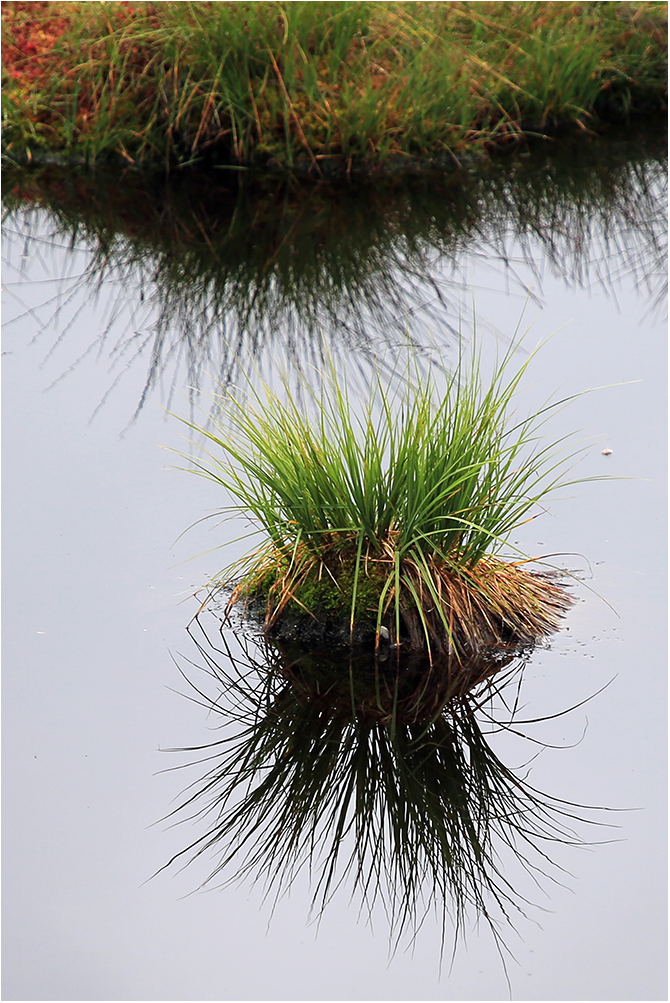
point(201, 278)
point(94, 585)
point(373, 777)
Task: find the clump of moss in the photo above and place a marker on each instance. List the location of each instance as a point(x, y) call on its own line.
point(328, 589)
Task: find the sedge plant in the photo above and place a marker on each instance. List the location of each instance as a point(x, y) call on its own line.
point(398, 507)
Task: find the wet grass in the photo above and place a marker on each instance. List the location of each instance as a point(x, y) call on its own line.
point(319, 86)
point(408, 496)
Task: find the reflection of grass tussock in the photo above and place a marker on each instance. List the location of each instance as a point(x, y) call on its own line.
point(409, 496)
point(344, 83)
point(330, 767)
point(387, 688)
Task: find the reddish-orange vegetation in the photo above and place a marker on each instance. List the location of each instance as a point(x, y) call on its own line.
point(49, 50)
point(271, 82)
point(31, 29)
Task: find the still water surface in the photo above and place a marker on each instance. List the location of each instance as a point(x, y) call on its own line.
point(99, 589)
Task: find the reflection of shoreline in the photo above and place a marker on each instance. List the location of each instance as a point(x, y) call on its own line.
point(211, 277)
point(315, 768)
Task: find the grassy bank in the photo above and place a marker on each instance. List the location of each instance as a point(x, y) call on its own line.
point(322, 86)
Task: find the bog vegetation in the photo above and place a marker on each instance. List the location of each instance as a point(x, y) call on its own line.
point(393, 513)
point(319, 86)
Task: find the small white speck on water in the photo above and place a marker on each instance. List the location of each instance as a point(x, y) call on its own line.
point(606, 452)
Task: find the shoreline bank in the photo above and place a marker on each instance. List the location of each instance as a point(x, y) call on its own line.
point(362, 88)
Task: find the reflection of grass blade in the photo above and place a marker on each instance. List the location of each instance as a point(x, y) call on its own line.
point(414, 817)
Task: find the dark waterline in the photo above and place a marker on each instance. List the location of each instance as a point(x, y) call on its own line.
point(205, 277)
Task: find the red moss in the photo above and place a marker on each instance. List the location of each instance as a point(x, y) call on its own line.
point(31, 30)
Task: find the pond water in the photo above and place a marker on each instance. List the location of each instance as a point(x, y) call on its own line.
point(124, 299)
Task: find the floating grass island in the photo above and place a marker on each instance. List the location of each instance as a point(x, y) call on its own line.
point(320, 88)
point(384, 522)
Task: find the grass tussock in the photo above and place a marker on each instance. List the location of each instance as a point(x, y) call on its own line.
point(322, 84)
point(400, 505)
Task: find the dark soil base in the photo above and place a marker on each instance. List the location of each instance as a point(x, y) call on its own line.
point(530, 134)
point(323, 633)
point(331, 634)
